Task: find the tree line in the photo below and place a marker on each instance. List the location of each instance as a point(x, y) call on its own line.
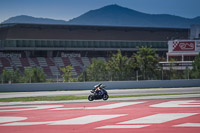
point(31, 75)
point(142, 65)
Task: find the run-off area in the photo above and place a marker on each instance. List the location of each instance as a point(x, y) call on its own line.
point(172, 115)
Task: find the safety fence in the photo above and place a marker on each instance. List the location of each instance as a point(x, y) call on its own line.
point(89, 85)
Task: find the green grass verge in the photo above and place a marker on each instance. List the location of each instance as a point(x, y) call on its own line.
point(60, 98)
point(42, 98)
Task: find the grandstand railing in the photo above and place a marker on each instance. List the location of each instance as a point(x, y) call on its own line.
point(80, 44)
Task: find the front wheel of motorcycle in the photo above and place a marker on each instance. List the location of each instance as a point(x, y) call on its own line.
point(105, 97)
point(90, 98)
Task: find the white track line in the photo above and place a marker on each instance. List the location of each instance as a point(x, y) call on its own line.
point(121, 126)
point(85, 119)
point(108, 106)
point(182, 103)
point(4, 119)
point(158, 118)
point(188, 125)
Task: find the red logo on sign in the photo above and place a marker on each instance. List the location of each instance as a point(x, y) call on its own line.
point(184, 46)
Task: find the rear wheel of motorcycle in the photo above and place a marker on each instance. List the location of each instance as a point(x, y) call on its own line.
point(90, 98)
point(105, 97)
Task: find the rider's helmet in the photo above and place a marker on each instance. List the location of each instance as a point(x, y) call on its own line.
point(98, 85)
point(95, 86)
point(102, 86)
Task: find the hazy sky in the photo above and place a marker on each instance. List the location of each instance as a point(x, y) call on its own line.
point(68, 9)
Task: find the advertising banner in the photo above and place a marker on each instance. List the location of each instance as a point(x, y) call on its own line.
point(184, 46)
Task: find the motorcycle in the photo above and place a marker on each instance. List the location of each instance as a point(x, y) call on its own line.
point(103, 94)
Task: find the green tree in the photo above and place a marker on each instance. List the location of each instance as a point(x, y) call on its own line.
point(96, 71)
point(38, 75)
point(6, 76)
point(196, 67)
point(186, 73)
point(16, 76)
point(11, 76)
point(27, 75)
point(34, 75)
point(67, 73)
point(174, 74)
point(134, 66)
point(118, 66)
point(148, 63)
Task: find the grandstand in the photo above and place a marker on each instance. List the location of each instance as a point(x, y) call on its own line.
point(53, 46)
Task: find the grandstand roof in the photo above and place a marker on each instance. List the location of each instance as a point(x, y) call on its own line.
point(83, 32)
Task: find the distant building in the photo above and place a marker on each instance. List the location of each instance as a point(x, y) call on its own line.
point(51, 40)
point(181, 54)
point(195, 32)
point(53, 46)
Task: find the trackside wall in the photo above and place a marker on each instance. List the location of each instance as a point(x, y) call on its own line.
point(89, 85)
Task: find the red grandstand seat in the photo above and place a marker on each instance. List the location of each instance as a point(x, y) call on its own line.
point(25, 62)
point(5, 62)
point(79, 60)
point(47, 71)
point(35, 61)
point(50, 62)
point(66, 61)
point(78, 69)
point(1, 69)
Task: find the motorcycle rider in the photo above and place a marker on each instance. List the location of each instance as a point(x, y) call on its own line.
point(98, 92)
point(98, 89)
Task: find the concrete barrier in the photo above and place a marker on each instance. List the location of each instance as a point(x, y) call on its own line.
point(89, 85)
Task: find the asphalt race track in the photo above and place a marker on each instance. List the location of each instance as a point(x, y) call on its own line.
point(111, 92)
point(142, 116)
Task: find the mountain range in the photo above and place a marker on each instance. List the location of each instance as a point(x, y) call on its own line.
point(114, 15)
